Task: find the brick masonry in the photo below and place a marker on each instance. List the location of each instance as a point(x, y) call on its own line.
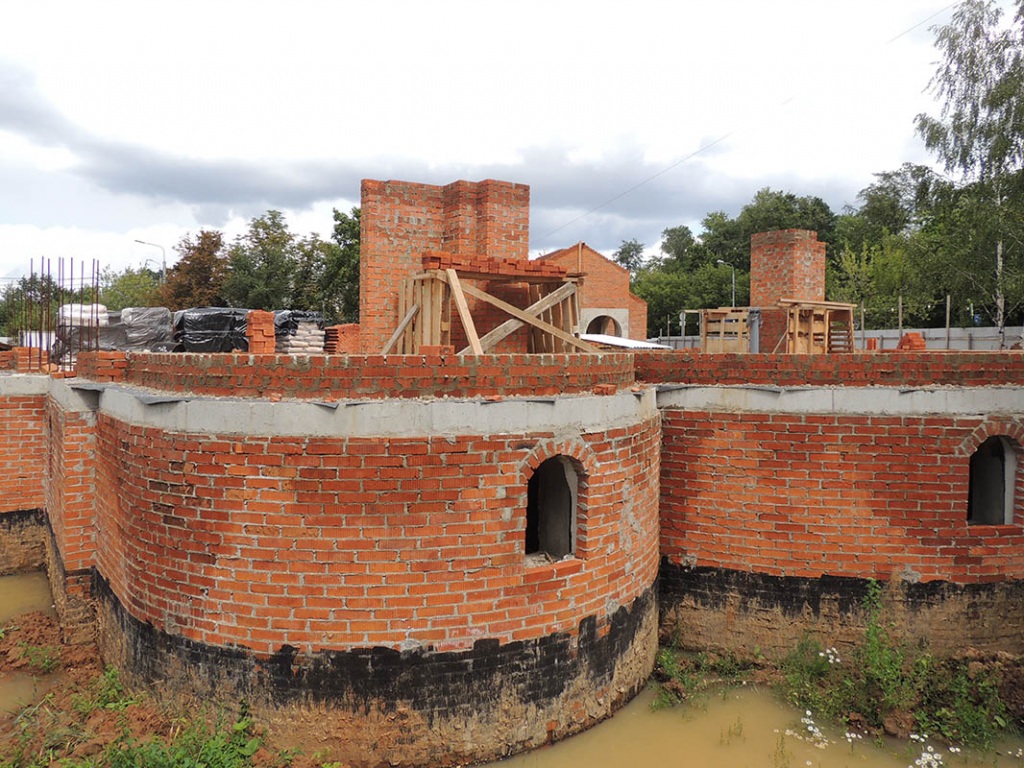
point(401, 220)
point(341, 539)
point(359, 376)
point(784, 264)
point(605, 288)
point(342, 536)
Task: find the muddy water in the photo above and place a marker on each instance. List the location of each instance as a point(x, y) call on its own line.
point(20, 594)
point(738, 728)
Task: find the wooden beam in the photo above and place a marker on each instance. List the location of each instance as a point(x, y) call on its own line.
point(401, 328)
point(530, 319)
point(510, 326)
point(463, 309)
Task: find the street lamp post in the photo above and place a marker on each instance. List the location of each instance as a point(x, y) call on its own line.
point(730, 266)
point(163, 258)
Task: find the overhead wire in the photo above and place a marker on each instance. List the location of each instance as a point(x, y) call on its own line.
point(718, 140)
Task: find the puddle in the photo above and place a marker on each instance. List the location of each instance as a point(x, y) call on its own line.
point(22, 593)
point(737, 728)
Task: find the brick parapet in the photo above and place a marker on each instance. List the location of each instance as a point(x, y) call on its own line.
point(961, 369)
point(361, 376)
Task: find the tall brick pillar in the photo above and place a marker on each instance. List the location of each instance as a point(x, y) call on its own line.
point(400, 220)
point(784, 264)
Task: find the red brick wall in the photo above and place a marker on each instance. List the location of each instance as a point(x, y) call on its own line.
point(22, 452)
point(906, 369)
point(846, 495)
point(357, 376)
point(637, 318)
point(786, 264)
point(256, 541)
point(69, 483)
point(605, 285)
point(400, 220)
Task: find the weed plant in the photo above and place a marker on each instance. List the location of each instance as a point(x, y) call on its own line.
point(680, 675)
point(888, 687)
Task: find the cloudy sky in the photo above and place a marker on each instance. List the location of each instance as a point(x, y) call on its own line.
point(148, 120)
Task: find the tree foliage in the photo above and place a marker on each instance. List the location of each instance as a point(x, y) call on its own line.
point(341, 270)
point(129, 288)
point(979, 135)
point(197, 279)
point(262, 263)
point(630, 256)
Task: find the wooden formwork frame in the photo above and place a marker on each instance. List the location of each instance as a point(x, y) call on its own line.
point(817, 327)
point(425, 307)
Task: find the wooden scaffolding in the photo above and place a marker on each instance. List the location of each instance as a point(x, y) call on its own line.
point(818, 327)
point(426, 299)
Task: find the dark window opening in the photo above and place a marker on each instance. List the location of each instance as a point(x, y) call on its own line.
point(991, 485)
point(551, 508)
point(605, 325)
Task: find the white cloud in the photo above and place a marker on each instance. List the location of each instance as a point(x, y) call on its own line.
point(148, 120)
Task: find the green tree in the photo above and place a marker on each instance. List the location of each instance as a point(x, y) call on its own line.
point(197, 279)
point(729, 239)
point(899, 202)
point(129, 288)
point(630, 256)
point(340, 279)
point(262, 264)
point(681, 249)
point(24, 303)
point(979, 133)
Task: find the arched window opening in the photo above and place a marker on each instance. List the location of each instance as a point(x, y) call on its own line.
point(605, 325)
point(551, 497)
point(991, 487)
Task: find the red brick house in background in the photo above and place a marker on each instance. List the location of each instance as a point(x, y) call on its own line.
point(606, 305)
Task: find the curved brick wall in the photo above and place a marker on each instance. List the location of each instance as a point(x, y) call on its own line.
point(778, 505)
point(356, 572)
point(360, 376)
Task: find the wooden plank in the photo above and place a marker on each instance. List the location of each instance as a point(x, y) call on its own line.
point(413, 311)
point(536, 338)
point(510, 326)
point(437, 303)
point(558, 320)
point(463, 309)
point(529, 319)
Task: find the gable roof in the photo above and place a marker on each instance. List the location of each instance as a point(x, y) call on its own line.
point(579, 248)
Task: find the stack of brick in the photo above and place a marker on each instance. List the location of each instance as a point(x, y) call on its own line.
point(260, 331)
point(103, 365)
point(31, 359)
point(341, 339)
point(308, 339)
point(911, 342)
point(485, 265)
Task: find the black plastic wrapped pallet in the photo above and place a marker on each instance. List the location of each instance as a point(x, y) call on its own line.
point(211, 329)
point(147, 329)
point(286, 321)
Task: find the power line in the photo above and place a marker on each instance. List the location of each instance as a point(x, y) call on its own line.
point(720, 139)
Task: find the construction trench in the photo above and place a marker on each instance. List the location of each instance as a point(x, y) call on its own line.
point(427, 557)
